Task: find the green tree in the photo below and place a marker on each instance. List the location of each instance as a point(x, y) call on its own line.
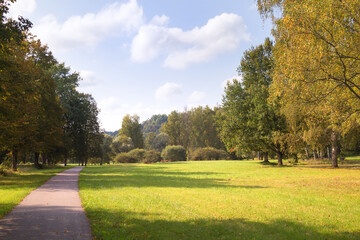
point(153, 124)
point(66, 83)
point(160, 142)
point(149, 140)
point(106, 151)
point(203, 132)
point(85, 126)
point(122, 144)
point(173, 128)
point(248, 121)
point(131, 128)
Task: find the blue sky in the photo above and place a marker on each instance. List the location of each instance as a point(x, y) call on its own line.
point(147, 57)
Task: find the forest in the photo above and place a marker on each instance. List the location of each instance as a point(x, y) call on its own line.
point(298, 98)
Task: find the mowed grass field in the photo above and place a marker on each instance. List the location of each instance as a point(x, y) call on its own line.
point(17, 186)
point(221, 200)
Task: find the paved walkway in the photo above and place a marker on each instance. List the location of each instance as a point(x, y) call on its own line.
point(53, 211)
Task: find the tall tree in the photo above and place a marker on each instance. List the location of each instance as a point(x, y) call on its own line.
point(17, 91)
point(131, 128)
point(66, 83)
point(173, 128)
point(248, 121)
point(203, 132)
point(84, 126)
point(317, 59)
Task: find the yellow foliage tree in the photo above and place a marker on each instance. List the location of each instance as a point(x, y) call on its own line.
point(317, 60)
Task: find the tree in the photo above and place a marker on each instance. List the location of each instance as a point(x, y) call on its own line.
point(153, 124)
point(317, 59)
point(173, 128)
point(248, 121)
point(84, 126)
point(160, 142)
point(121, 144)
point(131, 128)
point(106, 150)
point(203, 132)
point(149, 140)
point(17, 91)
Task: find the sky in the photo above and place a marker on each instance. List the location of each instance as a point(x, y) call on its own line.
point(147, 57)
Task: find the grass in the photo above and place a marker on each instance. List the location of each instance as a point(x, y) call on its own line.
point(221, 200)
point(15, 187)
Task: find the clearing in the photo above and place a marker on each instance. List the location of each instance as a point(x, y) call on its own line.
point(221, 200)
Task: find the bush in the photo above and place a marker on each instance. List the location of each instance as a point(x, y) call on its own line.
point(174, 153)
point(137, 154)
point(209, 153)
point(124, 158)
point(152, 156)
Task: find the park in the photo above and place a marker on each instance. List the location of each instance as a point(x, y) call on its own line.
point(146, 137)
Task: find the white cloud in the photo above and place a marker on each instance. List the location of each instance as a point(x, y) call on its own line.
point(160, 20)
point(22, 8)
point(221, 34)
point(230, 80)
point(168, 91)
point(196, 97)
point(91, 28)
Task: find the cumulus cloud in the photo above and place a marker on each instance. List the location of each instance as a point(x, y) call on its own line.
point(168, 91)
point(196, 97)
point(91, 28)
point(181, 48)
point(22, 8)
point(230, 80)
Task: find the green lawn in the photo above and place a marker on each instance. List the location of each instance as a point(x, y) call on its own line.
point(14, 188)
point(221, 200)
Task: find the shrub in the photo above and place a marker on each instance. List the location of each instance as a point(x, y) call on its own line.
point(209, 153)
point(152, 156)
point(124, 158)
point(174, 153)
point(137, 154)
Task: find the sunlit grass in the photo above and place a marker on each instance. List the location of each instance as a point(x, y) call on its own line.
point(15, 187)
point(221, 200)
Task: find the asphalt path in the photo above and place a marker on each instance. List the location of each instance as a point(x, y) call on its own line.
point(53, 211)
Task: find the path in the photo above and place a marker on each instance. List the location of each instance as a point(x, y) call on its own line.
point(53, 211)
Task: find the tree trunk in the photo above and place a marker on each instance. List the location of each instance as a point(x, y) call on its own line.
point(65, 160)
point(314, 153)
point(321, 154)
point(36, 160)
point(328, 153)
point(101, 160)
point(334, 148)
point(266, 157)
point(259, 155)
point(279, 157)
point(43, 156)
point(14, 159)
point(307, 153)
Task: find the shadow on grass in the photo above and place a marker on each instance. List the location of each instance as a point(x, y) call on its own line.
point(138, 176)
point(132, 225)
